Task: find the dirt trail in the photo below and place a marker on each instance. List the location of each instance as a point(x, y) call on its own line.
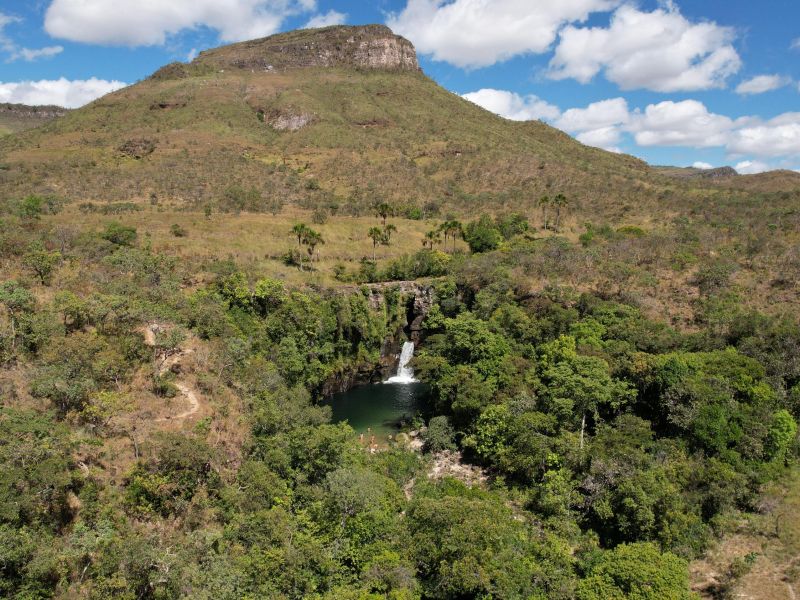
point(186, 390)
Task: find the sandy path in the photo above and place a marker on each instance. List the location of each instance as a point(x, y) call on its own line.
point(185, 390)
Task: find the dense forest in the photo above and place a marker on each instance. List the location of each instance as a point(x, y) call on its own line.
point(614, 447)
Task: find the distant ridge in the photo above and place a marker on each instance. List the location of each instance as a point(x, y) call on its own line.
point(19, 117)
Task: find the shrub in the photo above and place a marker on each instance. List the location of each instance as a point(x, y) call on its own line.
point(119, 234)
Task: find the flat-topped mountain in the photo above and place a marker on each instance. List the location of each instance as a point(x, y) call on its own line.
point(337, 116)
point(367, 47)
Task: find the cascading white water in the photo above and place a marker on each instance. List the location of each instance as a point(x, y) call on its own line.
point(405, 374)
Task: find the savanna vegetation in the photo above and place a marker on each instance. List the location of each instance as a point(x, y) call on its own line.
point(612, 352)
point(618, 447)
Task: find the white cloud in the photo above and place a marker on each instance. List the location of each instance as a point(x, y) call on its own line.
point(762, 83)
point(479, 33)
point(16, 52)
point(777, 137)
point(795, 44)
point(606, 138)
point(751, 167)
point(513, 106)
point(660, 51)
point(327, 19)
point(599, 124)
point(686, 123)
point(61, 92)
point(30, 55)
point(149, 22)
point(702, 165)
point(596, 115)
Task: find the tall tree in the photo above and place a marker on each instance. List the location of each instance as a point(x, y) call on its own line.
point(384, 211)
point(544, 202)
point(312, 239)
point(454, 229)
point(560, 202)
point(299, 231)
point(17, 300)
point(388, 230)
point(377, 236)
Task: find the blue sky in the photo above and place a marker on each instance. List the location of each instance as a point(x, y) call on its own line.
point(706, 82)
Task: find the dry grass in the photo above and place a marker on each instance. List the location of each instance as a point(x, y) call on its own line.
point(259, 240)
point(771, 539)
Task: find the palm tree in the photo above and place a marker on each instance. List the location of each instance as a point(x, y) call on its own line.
point(312, 240)
point(544, 202)
point(384, 211)
point(388, 230)
point(431, 238)
point(560, 201)
point(299, 230)
point(377, 235)
point(454, 229)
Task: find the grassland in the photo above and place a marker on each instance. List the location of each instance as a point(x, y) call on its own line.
point(260, 240)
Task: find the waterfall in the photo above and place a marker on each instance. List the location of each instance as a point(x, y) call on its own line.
point(405, 374)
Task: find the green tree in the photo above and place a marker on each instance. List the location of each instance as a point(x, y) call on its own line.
point(17, 301)
point(30, 208)
point(312, 239)
point(299, 231)
point(636, 572)
point(560, 202)
point(119, 234)
point(544, 202)
point(482, 235)
point(41, 262)
point(377, 235)
point(581, 386)
point(782, 434)
point(383, 210)
point(439, 435)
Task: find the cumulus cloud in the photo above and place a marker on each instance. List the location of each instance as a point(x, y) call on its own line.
point(327, 19)
point(599, 124)
point(751, 167)
point(702, 165)
point(762, 83)
point(686, 123)
point(777, 137)
point(477, 33)
point(660, 50)
point(513, 106)
point(149, 22)
point(61, 92)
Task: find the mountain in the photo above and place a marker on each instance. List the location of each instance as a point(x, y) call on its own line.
point(338, 115)
point(19, 117)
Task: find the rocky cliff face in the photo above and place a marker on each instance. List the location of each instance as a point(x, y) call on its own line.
point(19, 117)
point(417, 299)
point(364, 47)
point(22, 111)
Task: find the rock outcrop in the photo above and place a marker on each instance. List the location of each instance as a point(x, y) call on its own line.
point(43, 113)
point(362, 47)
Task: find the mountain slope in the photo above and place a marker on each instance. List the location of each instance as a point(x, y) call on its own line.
point(339, 115)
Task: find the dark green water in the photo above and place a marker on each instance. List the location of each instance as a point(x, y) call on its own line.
point(380, 406)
